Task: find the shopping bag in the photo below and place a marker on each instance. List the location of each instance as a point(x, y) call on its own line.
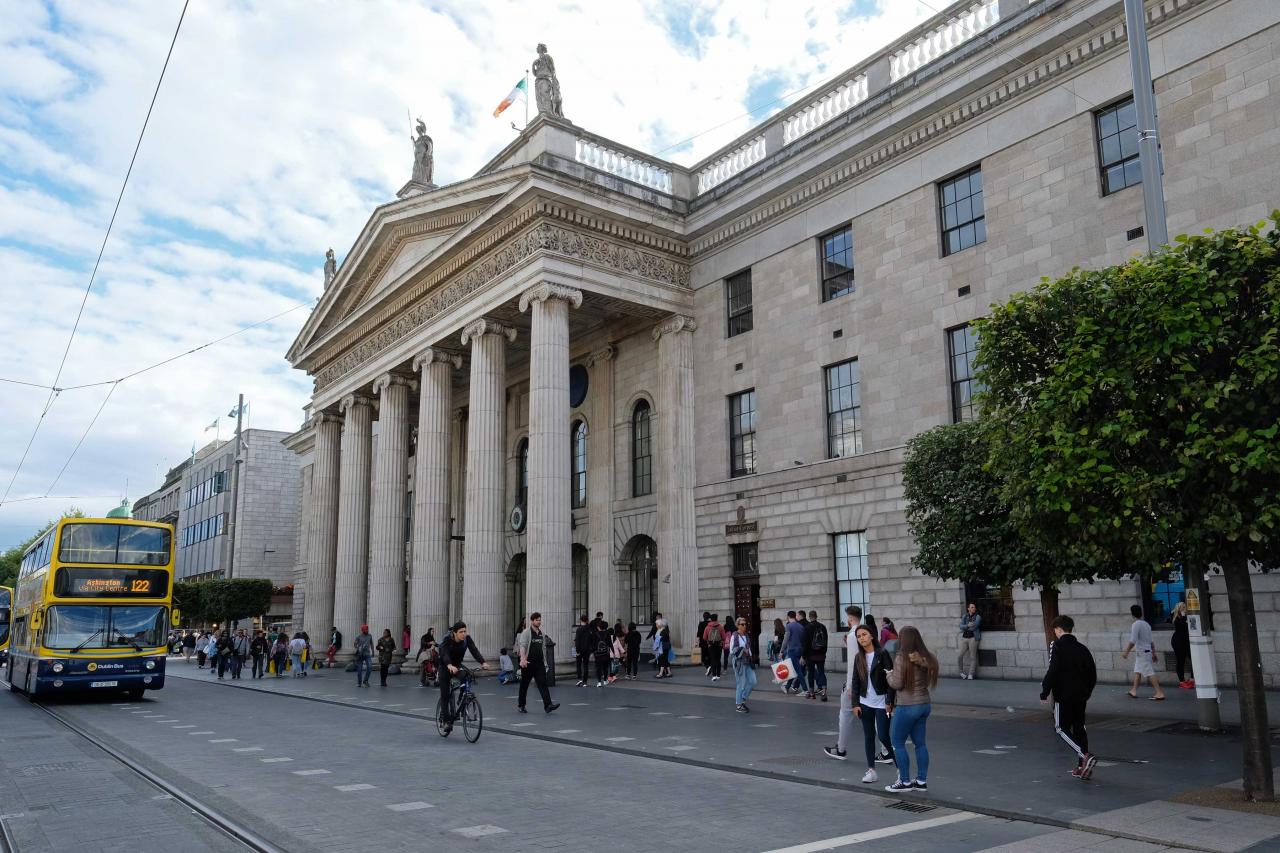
point(782, 671)
point(271, 667)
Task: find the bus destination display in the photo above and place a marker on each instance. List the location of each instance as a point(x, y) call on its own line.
point(110, 583)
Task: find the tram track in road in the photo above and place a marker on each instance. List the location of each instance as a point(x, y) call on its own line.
point(236, 831)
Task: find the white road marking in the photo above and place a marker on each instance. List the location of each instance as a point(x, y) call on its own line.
point(202, 733)
point(619, 739)
point(247, 749)
point(990, 752)
point(409, 807)
point(310, 772)
point(274, 760)
point(616, 709)
point(681, 748)
point(659, 713)
point(522, 725)
point(358, 787)
point(478, 831)
point(421, 709)
point(168, 721)
point(396, 705)
point(567, 732)
point(576, 704)
point(690, 717)
point(224, 740)
point(828, 734)
point(764, 726)
point(876, 834)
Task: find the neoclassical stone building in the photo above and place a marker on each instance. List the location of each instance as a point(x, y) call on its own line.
point(589, 379)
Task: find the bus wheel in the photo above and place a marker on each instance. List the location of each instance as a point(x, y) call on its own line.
point(135, 695)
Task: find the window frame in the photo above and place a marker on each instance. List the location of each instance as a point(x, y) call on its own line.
point(1099, 139)
point(976, 221)
point(641, 480)
point(735, 419)
point(578, 464)
point(522, 473)
point(643, 581)
point(823, 278)
point(857, 408)
point(864, 559)
point(734, 318)
point(744, 559)
point(990, 621)
point(954, 382)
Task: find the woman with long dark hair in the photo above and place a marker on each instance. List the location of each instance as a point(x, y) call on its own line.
point(775, 645)
point(868, 697)
point(914, 673)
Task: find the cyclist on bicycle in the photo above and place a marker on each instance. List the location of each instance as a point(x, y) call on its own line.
point(452, 651)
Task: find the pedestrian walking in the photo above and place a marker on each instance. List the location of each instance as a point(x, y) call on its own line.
point(202, 651)
point(279, 654)
point(386, 651)
point(225, 649)
point(1144, 658)
point(662, 648)
point(867, 696)
point(297, 651)
point(406, 640)
point(1070, 679)
point(816, 661)
point(427, 655)
point(601, 646)
point(189, 645)
point(652, 638)
point(700, 634)
point(774, 647)
point(364, 656)
point(239, 653)
point(793, 650)
point(616, 652)
point(712, 639)
point(258, 651)
point(970, 637)
point(914, 674)
point(631, 661)
point(531, 647)
point(1181, 645)
point(583, 647)
point(744, 667)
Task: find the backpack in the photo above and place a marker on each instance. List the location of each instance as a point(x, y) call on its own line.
point(819, 642)
point(716, 636)
point(602, 645)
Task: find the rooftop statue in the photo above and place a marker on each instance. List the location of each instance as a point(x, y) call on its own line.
point(423, 155)
point(546, 87)
point(330, 268)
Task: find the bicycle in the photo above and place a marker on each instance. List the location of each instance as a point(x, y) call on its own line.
point(466, 708)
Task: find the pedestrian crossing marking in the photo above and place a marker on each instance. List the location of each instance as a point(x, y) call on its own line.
point(201, 733)
point(309, 772)
point(360, 786)
point(682, 748)
point(522, 725)
point(187, 726)
point(409, 807)
point(478, 831)
point(619, 739)
point(274, 760)
point(247, 749)
point(567, 732)
point(224, 740)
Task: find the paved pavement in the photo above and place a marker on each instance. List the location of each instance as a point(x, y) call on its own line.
point(986, 758)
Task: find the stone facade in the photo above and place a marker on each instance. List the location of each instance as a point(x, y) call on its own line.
point(603, 272)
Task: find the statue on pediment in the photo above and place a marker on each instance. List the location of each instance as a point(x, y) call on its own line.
point(546, 87)
point(330, 268)
point(423, 155)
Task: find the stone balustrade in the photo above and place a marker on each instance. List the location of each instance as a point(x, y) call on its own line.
point(622, 165)
point(750, 152)
point(941, 40)
point(813, 116)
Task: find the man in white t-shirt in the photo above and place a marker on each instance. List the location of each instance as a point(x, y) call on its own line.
point(1144, 655)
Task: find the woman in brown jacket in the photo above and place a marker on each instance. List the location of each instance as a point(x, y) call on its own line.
point(915, 671)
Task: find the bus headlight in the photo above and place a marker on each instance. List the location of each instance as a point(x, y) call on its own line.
point(57, 666)
point(150, 664)
point(58, 683)
point(146, 679)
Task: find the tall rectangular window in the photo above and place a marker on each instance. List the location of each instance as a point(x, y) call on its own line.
point(641, 450)
point(746, 561)
point(962, 344)
point(850, 550)
point(742, 434)
point(1118, 160)
point(737, 294)
point(964, 222)
point(844, 432)
point(837, 263)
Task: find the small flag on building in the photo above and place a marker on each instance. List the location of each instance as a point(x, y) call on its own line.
point(213, 425)
point(238, 410)
point(520, 92)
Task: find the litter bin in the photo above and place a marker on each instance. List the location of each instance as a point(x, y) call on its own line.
point(549, 649)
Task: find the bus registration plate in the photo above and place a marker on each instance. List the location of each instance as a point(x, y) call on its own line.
point(104, 683)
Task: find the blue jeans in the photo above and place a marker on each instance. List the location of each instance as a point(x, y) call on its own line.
point(909, 722)
point(744, 679)
point(297, 665)
point(817, 673)
point(797, 666)
point(364, 669)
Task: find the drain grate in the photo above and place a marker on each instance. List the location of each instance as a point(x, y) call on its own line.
point(54, 767)
point(914, 808)
point(792, 760)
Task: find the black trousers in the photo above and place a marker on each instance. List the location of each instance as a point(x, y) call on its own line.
point(536, 672)
point(224, 661)
point(714, 662)
point(382, 672)
point(602, 667)
point(446, 681)
point(258, 666)
point(584, 666)
point(1180, 656)
point(632, 664)
point(1068, 722)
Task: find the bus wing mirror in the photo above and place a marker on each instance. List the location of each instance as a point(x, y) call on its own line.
point(175, 618)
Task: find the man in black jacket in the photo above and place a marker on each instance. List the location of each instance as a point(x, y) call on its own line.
point(452, 651)
point(1071, 679)
point(584, 643)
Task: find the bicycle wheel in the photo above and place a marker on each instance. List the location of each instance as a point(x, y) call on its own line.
point(442, 725)
point(472, 718)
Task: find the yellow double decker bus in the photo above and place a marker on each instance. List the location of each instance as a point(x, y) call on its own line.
point(6, 603)
point(91, 609)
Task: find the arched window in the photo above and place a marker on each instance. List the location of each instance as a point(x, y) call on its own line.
point(641, 450)
point(644, 579)
point(578, 464)
point(581, 572)
point(522, 481)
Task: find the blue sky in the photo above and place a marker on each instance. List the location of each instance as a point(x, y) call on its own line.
point(281, 124)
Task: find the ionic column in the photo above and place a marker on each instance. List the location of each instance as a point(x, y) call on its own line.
point(385, 596)
point(317, 617)
point(353, 519)
point(483, 582)
point(602, 584)
point(677, 527)
point(549, 535)
point(429, 572)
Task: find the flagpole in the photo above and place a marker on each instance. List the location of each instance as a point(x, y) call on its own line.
point(526, 97)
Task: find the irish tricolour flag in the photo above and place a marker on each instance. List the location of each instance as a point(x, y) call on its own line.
point(520, 92)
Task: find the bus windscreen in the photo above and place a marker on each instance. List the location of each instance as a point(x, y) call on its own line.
point(122, 544)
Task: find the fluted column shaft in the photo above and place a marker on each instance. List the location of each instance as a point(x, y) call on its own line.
point(549, 549)
point(483, 581)
point(429, 572)
point(602, 586)
point(317, 617)
point(385, 596)
point(677, 524)
point(353, 519)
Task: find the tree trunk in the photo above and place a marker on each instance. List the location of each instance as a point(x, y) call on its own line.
point(1259, 784)
point(1048, 611)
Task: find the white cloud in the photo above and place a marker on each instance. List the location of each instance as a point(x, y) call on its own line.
point(281, 124)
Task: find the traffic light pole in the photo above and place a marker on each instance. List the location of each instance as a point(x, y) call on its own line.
point(1144, 102)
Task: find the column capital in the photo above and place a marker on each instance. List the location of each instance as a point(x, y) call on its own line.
point(354, 400)
point(547, 290)
point(389, 380)
point(606, 354)
point(325, 417)
point(486, 326)
point(435, 355)
point(674, 323)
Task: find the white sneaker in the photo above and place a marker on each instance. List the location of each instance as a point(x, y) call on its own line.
point(715, 678)
point(870, 776)
point(708, 670)
point(599, 684)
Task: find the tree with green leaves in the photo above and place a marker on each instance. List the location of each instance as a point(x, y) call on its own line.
point(1135, 411)
point(188, 599)
point(962, 524)
point(239, 598)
